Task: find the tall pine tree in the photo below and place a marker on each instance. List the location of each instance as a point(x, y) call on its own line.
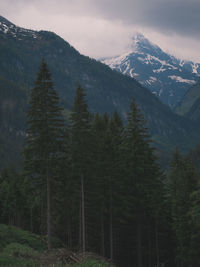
point(142, 180)
point(43, 147)
point(80, 140)
point(182, 183)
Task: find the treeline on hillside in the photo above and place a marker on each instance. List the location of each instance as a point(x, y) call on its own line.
point(93, 184)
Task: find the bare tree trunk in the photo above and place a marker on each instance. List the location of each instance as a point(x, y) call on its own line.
point(69, 234)
point(43, 219)
point(48, 208)
point(139, 243)
point(83, 212)
point(31, 219)
point(149, 246)
point(102, 234)
point(157, 243)
point(111, 227)
point(80, 225)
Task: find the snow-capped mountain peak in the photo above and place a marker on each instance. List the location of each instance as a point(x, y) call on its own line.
point(139, 43)
point(166, 76)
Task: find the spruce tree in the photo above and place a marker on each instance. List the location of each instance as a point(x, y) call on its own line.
point(12, 198)
point(142, 177)
point(44, 136)
point(98, 183)
point(80, 149)
point(114, 183)
point(194, 223)
point(107, 137)
point(182, 184)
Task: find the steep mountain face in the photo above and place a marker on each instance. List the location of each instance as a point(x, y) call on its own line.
point(166, 76)
point(12, 118)
point(190, 104)
point(21, 52)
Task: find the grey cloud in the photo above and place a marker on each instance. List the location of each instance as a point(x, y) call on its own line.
point(102, 27)
point(176, 16)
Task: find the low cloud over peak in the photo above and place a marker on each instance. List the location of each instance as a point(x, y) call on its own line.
point(104, 27)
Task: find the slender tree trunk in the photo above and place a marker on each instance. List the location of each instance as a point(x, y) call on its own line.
point(111, 226)
point(48, 209)
point(149, 246)
point(139, 243)
point(80, 225)
point(42, 231)
point(102, 234)
point(83, 212)
point(31, 219)
point(157, 243)
point(69, 234)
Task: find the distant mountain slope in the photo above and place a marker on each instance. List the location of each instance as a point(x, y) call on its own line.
point(190, 105)
point(21, 51)
point(13, 105)
point(165, 76)
point(189, 99)
point(194, 112)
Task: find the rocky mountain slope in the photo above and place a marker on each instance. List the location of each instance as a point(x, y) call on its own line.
point(166, 76)
point(190, 104)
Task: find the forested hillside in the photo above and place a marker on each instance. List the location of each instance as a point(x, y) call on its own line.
point(87, 178)
point(21, 51)
point(92, 183)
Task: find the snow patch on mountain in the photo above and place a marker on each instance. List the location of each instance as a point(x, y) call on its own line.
point(195, 68)
point(159, 70)
point(7, 27)
point(166, 76)
point(3, 27)
point(180, 79)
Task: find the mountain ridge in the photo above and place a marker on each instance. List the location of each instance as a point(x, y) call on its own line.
point(166, 76)
point(106, 89)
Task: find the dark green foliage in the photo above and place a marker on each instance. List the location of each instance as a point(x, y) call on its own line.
point(11, 234)
point(96, 184)
point(18, 247)
point(194, 213)
point(80, 127)
point(142, 184)
point(43, 147)
point(108, 194)
point(194, 156)
point(93, 263)
point(23, 250)
point(12, 197)
point(139, 162)
point(182, 184)
point(45, 123)
point(12, 118)
point(81, 156)
point(107, 133)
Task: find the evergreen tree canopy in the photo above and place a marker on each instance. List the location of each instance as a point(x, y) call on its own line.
point(139, 160)
point(44, 139)
point(182, 183)
point(80, 128)
point(44, 119)
point(81, 155)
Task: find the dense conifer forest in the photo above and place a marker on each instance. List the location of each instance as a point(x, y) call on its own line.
point(91, 183)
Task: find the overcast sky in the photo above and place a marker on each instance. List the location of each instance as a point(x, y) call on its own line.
point(100, 28)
